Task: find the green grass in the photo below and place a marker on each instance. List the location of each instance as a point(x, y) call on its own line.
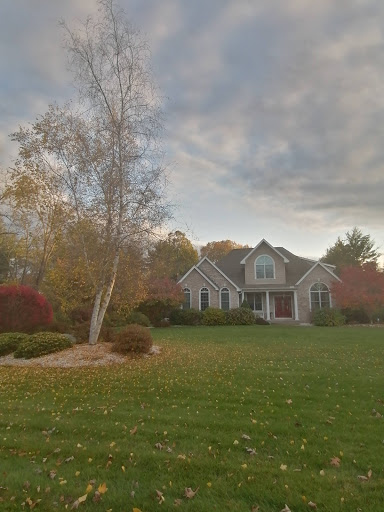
point(303, 395)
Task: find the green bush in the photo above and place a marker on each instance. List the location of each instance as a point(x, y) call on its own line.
point(240, 316)
point(245, 305)
point(9, 341)
point(42, 343)
point(176, 316)
point(134, 338)
point(328, 317)
point(213, 316)
point(185, 316)
point(138, 318)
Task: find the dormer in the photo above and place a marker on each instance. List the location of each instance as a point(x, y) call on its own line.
point(264, 265)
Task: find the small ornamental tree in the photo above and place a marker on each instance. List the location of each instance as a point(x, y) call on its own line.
point(22, 309)
point(163, 296)
point(360, 288)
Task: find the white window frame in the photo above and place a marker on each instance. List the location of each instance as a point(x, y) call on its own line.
point(229, 297)
point(273, 263)
point(319, 291)
point(209, 297)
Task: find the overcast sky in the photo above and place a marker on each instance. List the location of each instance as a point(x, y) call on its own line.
point(274, 109)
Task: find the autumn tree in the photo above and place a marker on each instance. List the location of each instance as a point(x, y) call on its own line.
point(38, 213)
point(215, 251)
point(163, 296)
point(361, 288)
point(354, 250)
point(172, 257)
point(106, 150)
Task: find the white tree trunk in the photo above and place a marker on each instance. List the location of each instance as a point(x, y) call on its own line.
point(100, 306)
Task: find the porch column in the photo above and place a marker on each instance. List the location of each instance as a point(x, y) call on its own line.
point(296, 305)
point(267, 301)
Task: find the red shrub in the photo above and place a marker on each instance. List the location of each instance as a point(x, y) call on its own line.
point(22, 309)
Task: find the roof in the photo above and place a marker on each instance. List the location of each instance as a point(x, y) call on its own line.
point(294, 269)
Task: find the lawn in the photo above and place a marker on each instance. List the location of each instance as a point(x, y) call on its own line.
point(249, 416)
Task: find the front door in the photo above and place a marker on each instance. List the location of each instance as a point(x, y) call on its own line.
point(283, 306)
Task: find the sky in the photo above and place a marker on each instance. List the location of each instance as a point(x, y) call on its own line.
point(274, 109)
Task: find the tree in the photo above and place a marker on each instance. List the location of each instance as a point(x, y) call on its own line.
point(172, 257)
point(163, 296)
point(106, 150)
point(215, 251)
point(354, 250)
point(360, 288)
point(39, 212)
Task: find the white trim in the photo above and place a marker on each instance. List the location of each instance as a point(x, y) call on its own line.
point(274, 268)
point(220, 271)
point(267, 306)
point(312, 268)
point(229, 295)
point(242, 262)
point(209, 296)
point(295, 304)
point(206, 278)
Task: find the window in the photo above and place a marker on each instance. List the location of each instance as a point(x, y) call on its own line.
point(224, 299)
point(187, 298)
point(204, 299)
point(264, 268)
point(255, 301)
point(320, 297)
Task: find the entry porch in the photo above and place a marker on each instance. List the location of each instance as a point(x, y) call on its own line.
point(272, 305)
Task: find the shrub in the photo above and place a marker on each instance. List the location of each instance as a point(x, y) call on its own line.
point(328, 317)
point(355, 315)
point(240, 316)
point(9, 341)
point(134, 338)
point(192, 316)
point(22, 309)
point(176, 316)
point(42, 343)
point(260, 321)
point(163, 323)
point(138, 318)
point(245, 305)
point(213, 316)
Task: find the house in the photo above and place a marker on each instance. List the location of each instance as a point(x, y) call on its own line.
point(277, 284)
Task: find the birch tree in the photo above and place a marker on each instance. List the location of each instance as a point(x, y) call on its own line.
point(106, 147)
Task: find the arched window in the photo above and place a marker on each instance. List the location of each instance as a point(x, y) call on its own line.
point(204, 299)
point(320, 297)
point(187, 298)
point(264, 267)
point(224, 299)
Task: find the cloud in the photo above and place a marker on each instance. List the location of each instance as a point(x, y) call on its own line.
point(274, 110)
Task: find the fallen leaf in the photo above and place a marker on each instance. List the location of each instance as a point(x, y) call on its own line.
point(102, 488)
point(285, 509)
point(335, 461)
point(244, 436)
point(160, 497)
point(89, 488)
point(97, 497)
point(133, 430)
point(77, 502)
point(189, 493)
point(369, 473)
point(177, 502)
point(363, 478)
point(283, 467)
point(312, 505)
